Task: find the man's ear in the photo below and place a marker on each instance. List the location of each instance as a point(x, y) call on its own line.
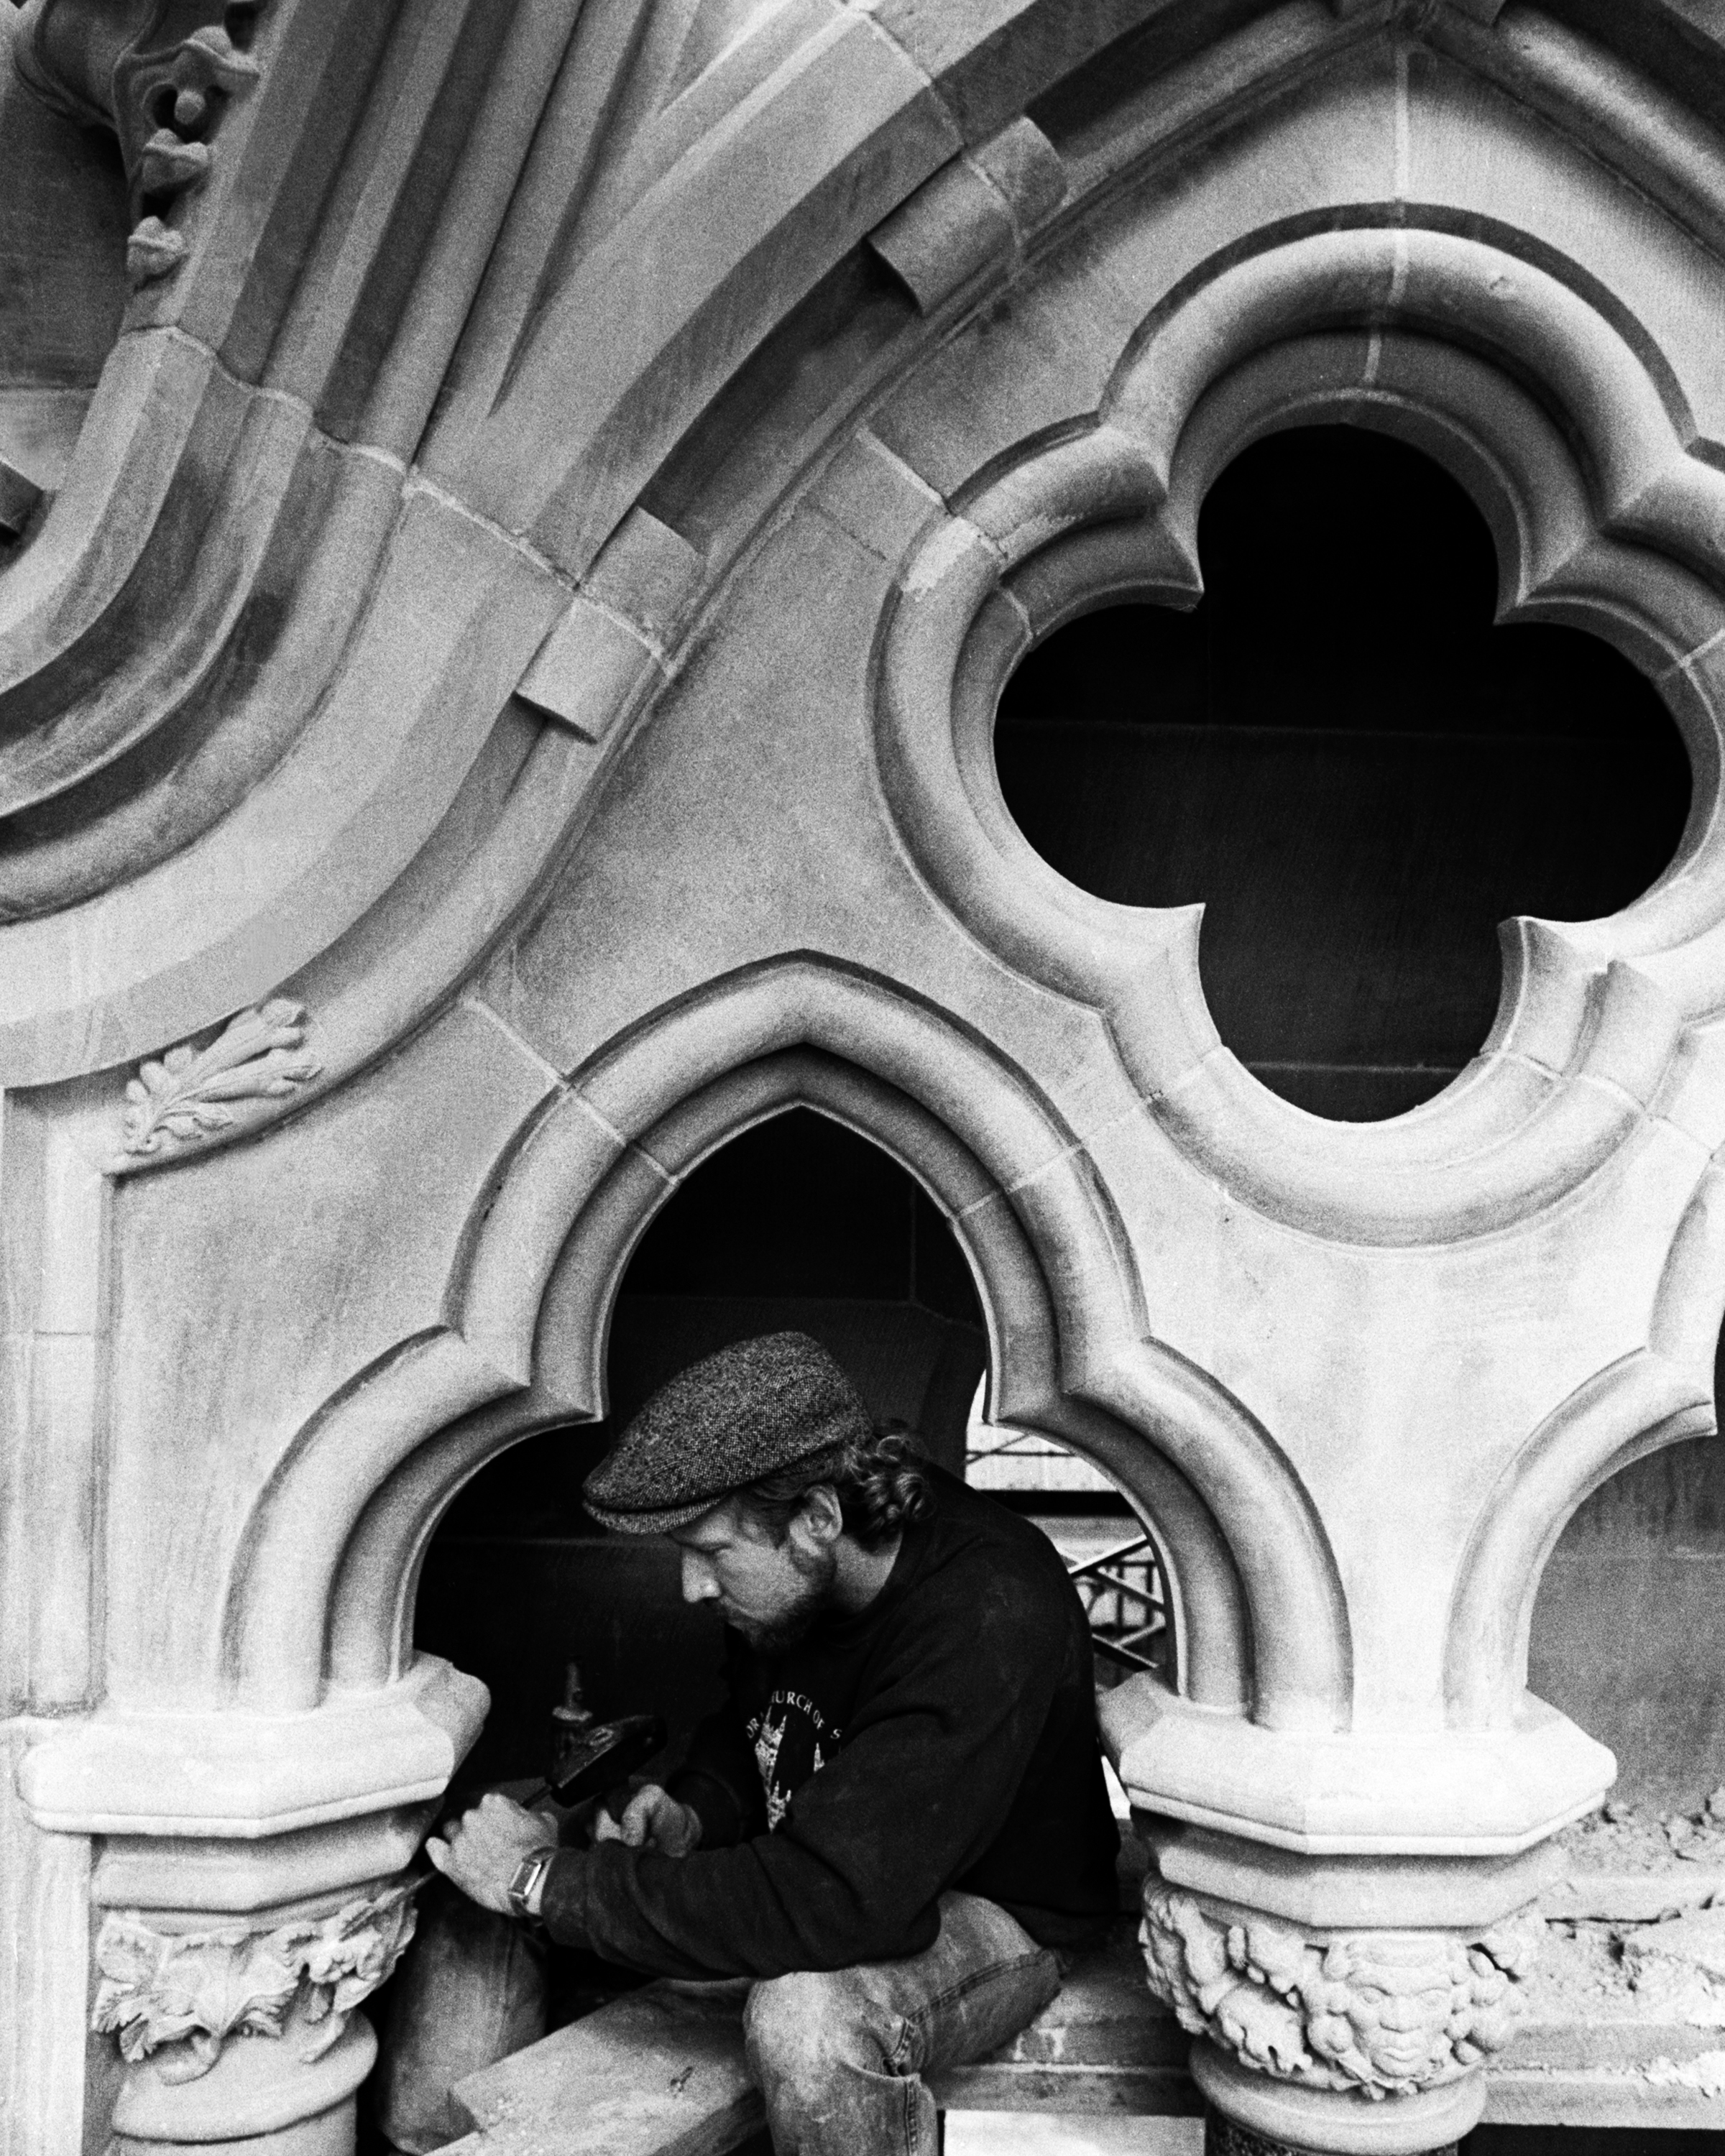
point(820, 1517)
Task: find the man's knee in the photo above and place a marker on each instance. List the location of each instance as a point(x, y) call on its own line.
point(800, 2028)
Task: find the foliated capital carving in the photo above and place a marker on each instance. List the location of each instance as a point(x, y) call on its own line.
point(197, 1989)
point(1386, 2013)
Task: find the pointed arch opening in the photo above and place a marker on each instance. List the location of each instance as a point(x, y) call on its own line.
point(1628, 1640)
point(797, 1221)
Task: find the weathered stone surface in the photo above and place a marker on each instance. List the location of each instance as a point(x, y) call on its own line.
point(660, 2073)
point(376, 1288)
point(515, 636)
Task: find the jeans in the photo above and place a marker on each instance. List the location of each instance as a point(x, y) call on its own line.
point(838, 2055)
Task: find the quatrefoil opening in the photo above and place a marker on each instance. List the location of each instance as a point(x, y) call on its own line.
point(1340, 756)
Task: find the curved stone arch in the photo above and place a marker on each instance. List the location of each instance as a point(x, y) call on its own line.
point(1511, 456)
point(333, 1531)
point(1655, 1397)
point(498, 501)
point(371, 1608)
point(1633, 1407)
point(430, 946)
point(1079, 521)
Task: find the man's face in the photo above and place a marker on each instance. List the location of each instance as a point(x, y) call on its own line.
point(772, 1592)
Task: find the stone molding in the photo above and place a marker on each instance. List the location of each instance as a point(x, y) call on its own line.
point(1493, 1792)
point(195, 1989)
point(198, 964)
point(260, 1774)
point(1344, 2123)
point(587, 1132)
point(1619, 1005)
point(967, 539)
point(1382, 2013)
point(558, 1238)
point(973, 216)
point(188, 1094)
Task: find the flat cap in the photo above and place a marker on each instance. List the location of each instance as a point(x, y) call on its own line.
point(753, 1408)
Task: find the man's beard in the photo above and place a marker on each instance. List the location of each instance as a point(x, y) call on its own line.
point(774, 1635)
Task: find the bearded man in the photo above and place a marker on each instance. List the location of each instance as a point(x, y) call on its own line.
point(895, 1826)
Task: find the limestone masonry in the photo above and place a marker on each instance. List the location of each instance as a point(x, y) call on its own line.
point(515, 517)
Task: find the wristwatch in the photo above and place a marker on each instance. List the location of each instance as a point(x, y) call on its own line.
point(528, 1884)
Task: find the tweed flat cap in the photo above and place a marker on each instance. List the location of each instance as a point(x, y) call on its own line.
point(752, 1408)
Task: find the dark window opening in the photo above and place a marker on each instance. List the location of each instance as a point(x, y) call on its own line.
point(796, 1223)
point(1355, 770)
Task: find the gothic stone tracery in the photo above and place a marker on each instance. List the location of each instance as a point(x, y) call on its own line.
point(498, 651)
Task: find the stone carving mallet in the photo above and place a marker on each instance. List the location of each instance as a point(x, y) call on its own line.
point(591, 1756)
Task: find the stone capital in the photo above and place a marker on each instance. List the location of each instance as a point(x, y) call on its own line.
point(173, 1997)
point(1367, 2017)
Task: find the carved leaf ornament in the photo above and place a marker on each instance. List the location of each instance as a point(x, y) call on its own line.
point(258, 1055)
point(197, 1989)
point(156, 73)
point(1386, 2012)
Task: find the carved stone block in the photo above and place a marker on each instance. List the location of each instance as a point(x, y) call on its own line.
point(154, 73)
point(184, 1096)
point(188, 1992)
point(1386, 2012)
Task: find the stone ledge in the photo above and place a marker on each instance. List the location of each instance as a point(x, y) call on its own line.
point(247, 1776)
point(1459, 1793)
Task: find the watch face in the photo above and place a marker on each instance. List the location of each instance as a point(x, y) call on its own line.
point(528, 1873)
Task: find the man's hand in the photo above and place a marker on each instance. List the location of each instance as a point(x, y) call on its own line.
point(652, 1820)
point(481, 1850)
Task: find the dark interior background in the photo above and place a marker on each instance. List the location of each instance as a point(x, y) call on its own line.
point(797, 1223)
point(1355, 770)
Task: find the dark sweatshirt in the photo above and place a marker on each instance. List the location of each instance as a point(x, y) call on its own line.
point(945, 1736)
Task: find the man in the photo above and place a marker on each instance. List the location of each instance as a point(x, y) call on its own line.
point(898, 1819)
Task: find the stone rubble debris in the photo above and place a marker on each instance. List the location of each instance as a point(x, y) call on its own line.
point(1677, 1967)
point(1705, 2073)
point(1624, 1838)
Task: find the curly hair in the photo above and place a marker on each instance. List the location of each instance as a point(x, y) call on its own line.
point(880, 1489)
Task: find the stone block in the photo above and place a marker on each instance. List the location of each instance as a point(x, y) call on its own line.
point(250, 1777)
point(695, 274)
point(950, 231)
point(39, 430)
point(876, 497)
point(974, 214)
point(236, 1876)
point(660, 2073)
point(1463, 153)
point(413, 1144)
point(587, 670)
point(1043, 367)
point(1026, 167)
point(261, 2092)
point(988, 59)
point(1064, 2131)
point(54, 2071)
point(648, 574)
